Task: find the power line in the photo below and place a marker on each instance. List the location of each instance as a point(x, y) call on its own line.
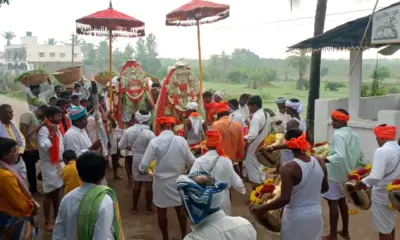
point(297, 19)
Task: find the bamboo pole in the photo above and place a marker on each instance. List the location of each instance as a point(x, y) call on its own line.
point(200, 63)
point(110, 89)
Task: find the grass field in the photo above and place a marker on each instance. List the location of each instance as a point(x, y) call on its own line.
point(270, 93)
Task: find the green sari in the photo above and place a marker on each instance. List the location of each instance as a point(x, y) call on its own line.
point(89, 209)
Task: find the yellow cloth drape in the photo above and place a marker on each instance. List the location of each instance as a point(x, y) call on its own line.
point(71, 177)
point(12, 201)
point(12, 135)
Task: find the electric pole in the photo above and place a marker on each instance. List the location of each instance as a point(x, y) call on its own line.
point(73, 47)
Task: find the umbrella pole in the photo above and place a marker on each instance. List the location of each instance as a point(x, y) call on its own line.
point(110, 89)
point(200, 64)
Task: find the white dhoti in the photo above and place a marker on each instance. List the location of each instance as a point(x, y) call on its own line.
point(253, 167)
point(165, 193)
point(302, 224)
point(383, 218)
point(335, 191)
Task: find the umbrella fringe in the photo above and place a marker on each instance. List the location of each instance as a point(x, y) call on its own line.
point(85, 29)
point(193, 22)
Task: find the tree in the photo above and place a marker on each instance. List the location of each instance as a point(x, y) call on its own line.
point(245, 57)
point(299, 61)
point(324, 71)
point(129, 51)
point(4, 2)
point(50, 41)
point(153, 64)
point(8, 35)
point(140, 52)
point(235, 75)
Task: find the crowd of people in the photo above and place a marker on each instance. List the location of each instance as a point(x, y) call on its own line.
point(75, 147)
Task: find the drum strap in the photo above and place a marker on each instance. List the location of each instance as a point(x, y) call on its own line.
point(259, 132)
point(227, 132)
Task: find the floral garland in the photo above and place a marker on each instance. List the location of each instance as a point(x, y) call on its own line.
point(395, 185)
point(267, 188)
point(357, 175)
point(152, 168)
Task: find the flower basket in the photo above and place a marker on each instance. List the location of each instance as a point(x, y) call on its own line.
point(68, 75)
point(102, 80)
point(34, 79)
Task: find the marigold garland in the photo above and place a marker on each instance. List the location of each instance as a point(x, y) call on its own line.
point(353, 211)
point(358, 174)
point(267, 187)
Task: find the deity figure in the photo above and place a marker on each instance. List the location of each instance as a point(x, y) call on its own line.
point(179, 87)
point(133, 92)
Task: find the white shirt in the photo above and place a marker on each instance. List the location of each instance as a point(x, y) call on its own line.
point(385, 160)
point(302, 124)
point(245, 112)
point(43, 97)
point(67, 218)
point(137, 137)
point(236, 116)
point(223, 171)
point(77, 140)
point(51, 174)
point(83, 93)
point(219, 226)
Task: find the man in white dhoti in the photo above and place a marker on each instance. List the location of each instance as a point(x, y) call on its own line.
point(303, 181)
point(385, 169)
point(257, 133)
point(344, 154)
point(75, 219)
point(203, 197)
point(76, 138)
point(281, 117)
point(194, 126)
point(136, 139)
point(217, 163)
point(243, 108)
point(172, 154)
point(51, 148)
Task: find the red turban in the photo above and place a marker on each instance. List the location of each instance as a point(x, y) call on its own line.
point(167, 121)
point(221, 107)
point(299, 143)
point(385, 132)
point(340, 116)
point(214, 140)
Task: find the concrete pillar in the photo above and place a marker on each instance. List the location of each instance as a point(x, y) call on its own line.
point(355, 83)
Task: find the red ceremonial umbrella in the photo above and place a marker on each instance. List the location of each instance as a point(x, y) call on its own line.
point(110, 23)
point(198, 12)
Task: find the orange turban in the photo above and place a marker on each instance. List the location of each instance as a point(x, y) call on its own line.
point(340, 116)
point(214, 140)
point(299, 143)
point(385, 132)
point(221, 107)
point(167, 121)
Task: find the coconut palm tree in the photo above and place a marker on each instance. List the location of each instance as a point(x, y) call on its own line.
point(8, 36)
point(50, 41)
point(299, 61)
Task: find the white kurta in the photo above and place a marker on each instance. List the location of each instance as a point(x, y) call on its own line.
point(195, 132)
point(236, 116)
point(66, 227)
point(77, 140)
point(258, 131)
point(218, 226)
point(171, 153)
point(245, 112)
point(51, 174)
point(222, 171)
point(385, 169)
point(138, 138)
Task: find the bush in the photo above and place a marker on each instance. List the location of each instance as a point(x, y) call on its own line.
point(306, 84)
point(334, 86)
point(393, 90)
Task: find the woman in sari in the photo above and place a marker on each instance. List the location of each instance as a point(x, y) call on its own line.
point(17, 206)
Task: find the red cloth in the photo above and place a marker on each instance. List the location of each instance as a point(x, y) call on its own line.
point(221, 107)
point(194, 114)
point(67, 121)
point(210, 108)
point(385, 132)
point(214, 140)
point(299, 143)
point(54, 151)
point(340, 116)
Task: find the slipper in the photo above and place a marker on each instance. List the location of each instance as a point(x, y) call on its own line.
point(345, 237)
point(150, 212)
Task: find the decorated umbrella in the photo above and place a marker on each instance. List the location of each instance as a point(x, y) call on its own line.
point(110, 23)
point(197, 12)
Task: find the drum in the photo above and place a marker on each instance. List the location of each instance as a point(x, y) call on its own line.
point(394, 197)
point(361, 199)
point(271, 219)
point(268, 159)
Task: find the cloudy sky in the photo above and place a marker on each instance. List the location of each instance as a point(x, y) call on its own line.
point(263, 26)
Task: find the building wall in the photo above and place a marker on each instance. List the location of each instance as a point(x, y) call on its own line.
point(373, 111)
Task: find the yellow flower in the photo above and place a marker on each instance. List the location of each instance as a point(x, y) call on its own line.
point(353, 211)
point(269, 181)
point(391, 207)
point(392, 187)
point(270, 139)
point(368, 167)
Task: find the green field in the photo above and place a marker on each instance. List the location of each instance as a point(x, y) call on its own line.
point(273, 91)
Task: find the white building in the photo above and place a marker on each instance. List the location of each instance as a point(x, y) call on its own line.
point(31, 54)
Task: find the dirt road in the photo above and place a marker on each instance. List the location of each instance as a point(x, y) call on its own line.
point(142, 227)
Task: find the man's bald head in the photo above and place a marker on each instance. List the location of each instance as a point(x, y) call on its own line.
point(292, 124)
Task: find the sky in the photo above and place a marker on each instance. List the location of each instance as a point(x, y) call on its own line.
point(257, 25)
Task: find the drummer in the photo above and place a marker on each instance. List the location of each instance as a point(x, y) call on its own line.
point(385, 169)
point(303, 180)
point(344, 154)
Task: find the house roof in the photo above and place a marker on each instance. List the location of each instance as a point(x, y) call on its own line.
point(343, 37)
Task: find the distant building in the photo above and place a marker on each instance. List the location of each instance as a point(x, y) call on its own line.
point(30, 54)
